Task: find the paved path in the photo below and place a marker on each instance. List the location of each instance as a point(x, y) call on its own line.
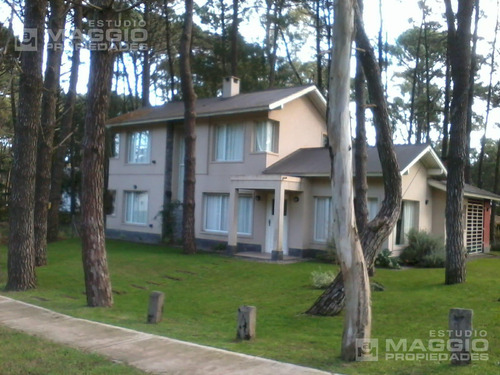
point(150, 353)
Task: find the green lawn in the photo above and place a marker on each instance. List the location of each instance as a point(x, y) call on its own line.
point(21, 354)
point(203, 293)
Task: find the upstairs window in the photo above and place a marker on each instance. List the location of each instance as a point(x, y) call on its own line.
point(115, 147)
point(139, 147)
point(229, 142)
point(266, 137)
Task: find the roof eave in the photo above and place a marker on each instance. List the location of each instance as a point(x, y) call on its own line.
point(178, 118)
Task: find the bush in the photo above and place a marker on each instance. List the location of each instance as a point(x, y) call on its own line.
point(321, 280)
point(423, 250)
point(495, 246)
point(385, 260)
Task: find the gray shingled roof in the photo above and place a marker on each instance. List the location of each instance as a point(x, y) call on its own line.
point(316, 161)
point(243, 103)
point(469, 190)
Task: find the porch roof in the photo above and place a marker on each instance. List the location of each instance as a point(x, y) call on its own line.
point(469, 191)
point(315, 162)
point(266, 100)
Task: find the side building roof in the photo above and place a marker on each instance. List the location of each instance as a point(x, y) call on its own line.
point(315, 162)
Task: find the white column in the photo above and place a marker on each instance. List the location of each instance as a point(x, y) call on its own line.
point(279, 208)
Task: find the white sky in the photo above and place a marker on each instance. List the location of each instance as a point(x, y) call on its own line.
point(398, 16)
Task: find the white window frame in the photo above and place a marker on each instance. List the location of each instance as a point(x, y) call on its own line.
point(245, 218)
point(372, 207)
point(130, 196)
point(116, 146)
point(134, 152)
point(266, 137)
point(223, 150)
point(217, 221)
point(324, 219)
point(407, 220)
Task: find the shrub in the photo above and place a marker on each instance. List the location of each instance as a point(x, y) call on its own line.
point(322, 279)
point(495, 246)
point(423, 250)
point(385, 260)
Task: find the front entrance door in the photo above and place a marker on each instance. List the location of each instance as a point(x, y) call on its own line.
point(271, 222)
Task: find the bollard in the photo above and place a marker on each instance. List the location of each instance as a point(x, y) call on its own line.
point(247, 318)
point(155, 309)
point(460, 326)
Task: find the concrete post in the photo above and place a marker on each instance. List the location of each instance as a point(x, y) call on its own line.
point(247, 320)
point(460, 326)
point(155, 309)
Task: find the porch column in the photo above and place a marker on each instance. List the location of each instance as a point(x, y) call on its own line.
point(232, 225)
point(279, 208)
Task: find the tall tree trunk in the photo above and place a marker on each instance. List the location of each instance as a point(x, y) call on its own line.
point(66, 132)
point(414, 85)
point(319, 54)
point(146, 69)
point(95, 265)
point(427, 88)
point(234, 40)
point(48, 126)
point(360, 151)
point(446, 110)
point(189, 97)
point(21, 248)
point(331, 302)
point(460, 58)
point(170, 59)
point(496, 190)
point(472, 76)
point(488, 108)
point(357, 321)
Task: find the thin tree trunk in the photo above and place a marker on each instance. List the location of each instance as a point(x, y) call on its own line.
point(67, 129)
point(189, 97)
point(319, 54)
point(331, 302)
point(21, 248)
point(460, 59)
point(170, 60)
point(357, 321)
point(427, 88)
point(470, 102)
point(146, 69)
point(234, 40)
point(414, 85)
point(48, 126)
point(289, 58)
point(95, 265)
point(488, 108)
point(360, 151)
point(446, 110)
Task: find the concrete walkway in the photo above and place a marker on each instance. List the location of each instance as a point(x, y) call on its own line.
point(150, 353)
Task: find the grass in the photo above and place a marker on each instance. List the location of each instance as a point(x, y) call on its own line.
point(21, 354)
point(203, 293)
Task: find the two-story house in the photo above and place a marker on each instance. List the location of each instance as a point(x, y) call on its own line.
point(262, 174)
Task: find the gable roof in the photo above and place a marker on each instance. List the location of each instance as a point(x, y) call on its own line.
point(469, 191)
point(315, 162)
point(266, 100)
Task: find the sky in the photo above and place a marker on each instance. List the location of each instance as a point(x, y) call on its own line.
point(398, 16)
